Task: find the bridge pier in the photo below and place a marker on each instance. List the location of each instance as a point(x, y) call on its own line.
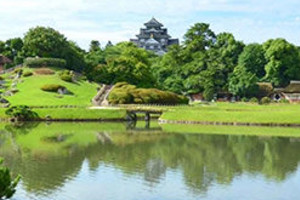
point(147, 116)
point(132, 114)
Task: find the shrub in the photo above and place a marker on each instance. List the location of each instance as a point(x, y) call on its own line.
point(124, 93)
point(21, 112)
point(52, 87)
point(244, 99)
point(1, 78)
point(7, 185)
point(66, 77)
point(45, 62)
point(265, 100)
point(253, 100)
point(283, 101)
point(27, 73)
point(44, 71)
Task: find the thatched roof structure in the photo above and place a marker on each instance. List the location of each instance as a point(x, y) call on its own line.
point(293, 87)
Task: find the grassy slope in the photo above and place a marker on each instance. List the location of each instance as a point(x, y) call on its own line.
point(238, 112)
point(31, 94)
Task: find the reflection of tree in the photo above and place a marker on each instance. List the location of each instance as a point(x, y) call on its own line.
point(203, 159)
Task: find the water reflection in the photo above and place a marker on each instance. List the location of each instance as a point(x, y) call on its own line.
point(49, 156)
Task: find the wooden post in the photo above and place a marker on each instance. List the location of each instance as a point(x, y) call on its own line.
point(147, 116)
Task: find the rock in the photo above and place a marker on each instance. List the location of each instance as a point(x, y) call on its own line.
point(48, 117)
point(4, 101)
point(63, 91)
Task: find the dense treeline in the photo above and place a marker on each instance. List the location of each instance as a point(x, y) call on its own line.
point(212, 64)
point(206, 62)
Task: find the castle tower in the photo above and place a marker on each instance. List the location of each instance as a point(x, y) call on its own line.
point(154, 37)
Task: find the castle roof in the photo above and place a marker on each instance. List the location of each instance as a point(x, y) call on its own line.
point(153, 23)
point(152, 41)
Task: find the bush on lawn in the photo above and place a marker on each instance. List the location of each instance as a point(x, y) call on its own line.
point(21, 112)
point(253, 100)
point(52, 87)
point(66, 75)
point(244, 99)
point(27, 73)
point(45, 62)
point(283, 101)
point(123, 93)
point(265, 100)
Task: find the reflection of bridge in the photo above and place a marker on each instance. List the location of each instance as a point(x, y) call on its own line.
point(132, 113)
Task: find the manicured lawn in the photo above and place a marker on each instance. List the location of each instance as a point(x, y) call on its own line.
point(30, 93)
point(81, 113)
point(236, 112)
point(76, 113)
point(232, 130)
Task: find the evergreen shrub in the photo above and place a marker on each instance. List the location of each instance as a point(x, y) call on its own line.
point(123, 93)
point(52, 87)
point(27, 73)
point(253, 100)
point(265, 100)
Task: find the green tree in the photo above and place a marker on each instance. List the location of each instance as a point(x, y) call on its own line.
point(253, 59)
point(283, 62)
point(243, 83)
point(124, 62)
point(95, 46)
point(199, 38)
point(167, 70)
point(47, 42)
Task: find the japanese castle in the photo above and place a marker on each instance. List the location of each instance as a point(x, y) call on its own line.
point(154, 37)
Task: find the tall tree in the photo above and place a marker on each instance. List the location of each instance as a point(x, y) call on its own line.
point(47, 42)
point(283, 62)
point(253, 59)
point(95, 46)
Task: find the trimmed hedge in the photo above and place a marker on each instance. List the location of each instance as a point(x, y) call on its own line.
point(27, 73)
point(52, 87)
point(45, 62)
point(123, 93)
point(44, 71)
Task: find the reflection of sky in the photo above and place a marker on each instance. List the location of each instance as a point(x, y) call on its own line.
point(108, 182)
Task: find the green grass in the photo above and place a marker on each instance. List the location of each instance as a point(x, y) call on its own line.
point(236, 112)
point(30, 93)
point(231, 130)
point(81, 113)
point(76, 113)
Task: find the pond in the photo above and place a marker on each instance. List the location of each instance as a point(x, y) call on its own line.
point(66, 161)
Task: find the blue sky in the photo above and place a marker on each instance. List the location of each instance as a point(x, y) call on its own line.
point(119, 20)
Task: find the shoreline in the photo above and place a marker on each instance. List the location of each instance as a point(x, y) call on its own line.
point(249, 124)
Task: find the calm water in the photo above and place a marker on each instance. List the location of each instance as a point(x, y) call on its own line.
point(119, 162)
